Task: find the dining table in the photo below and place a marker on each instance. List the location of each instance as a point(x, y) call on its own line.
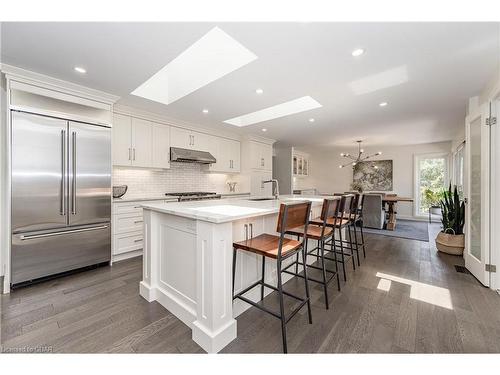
point(390, 201)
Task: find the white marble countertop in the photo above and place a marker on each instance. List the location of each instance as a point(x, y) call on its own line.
point(225, 210)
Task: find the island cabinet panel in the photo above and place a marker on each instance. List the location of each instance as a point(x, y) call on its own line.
point(178, 273)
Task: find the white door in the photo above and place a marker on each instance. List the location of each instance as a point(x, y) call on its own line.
point(142, 136)
point(121, 138)
point(477, 249)
point(161, 146)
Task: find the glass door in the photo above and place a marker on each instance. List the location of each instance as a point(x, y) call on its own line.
point(476, 252)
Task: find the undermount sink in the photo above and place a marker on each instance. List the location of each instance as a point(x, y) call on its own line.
point(261, 199)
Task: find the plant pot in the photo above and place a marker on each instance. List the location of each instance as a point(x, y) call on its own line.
point(453, 244)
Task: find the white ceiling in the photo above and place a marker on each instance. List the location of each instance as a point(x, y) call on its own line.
point(434, 68)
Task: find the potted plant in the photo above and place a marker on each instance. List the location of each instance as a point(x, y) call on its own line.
point(451, 239)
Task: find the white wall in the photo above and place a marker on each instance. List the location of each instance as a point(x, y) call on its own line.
point(3, 172)
point(327, 177)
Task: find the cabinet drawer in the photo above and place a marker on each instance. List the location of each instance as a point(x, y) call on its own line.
point(127, 223)
point(123, 243)
point(127, 208)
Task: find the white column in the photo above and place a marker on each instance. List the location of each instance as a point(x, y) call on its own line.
point(214, 326)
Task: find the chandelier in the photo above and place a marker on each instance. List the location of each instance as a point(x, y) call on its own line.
point(359, 157)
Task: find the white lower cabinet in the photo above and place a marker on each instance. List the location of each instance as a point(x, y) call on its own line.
point(127, 222)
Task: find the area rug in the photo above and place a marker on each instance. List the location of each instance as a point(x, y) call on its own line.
point(410, 229)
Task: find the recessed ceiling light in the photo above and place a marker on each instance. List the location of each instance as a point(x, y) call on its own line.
point(259, 91)
point(311, 120)
point(205, 111)
point(264, 130)
point(213, 56)
point(383, 104)
point(79, 69)
point(358, 52)
point(305, 103)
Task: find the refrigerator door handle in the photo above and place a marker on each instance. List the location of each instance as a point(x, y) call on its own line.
point(63, 173)
point(34, 236)
point(73, 185)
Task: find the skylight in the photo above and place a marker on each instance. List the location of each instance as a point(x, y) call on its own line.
point(379, 81)
point(208, 59)
point(302, 104)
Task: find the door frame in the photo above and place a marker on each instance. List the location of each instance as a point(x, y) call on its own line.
point(474, 265)
point(495, 193)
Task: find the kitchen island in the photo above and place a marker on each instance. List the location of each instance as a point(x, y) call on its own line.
point(187, 263)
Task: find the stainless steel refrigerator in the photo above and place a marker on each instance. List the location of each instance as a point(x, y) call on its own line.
point(61, 196)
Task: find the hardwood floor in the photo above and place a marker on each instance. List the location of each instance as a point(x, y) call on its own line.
point(418, 303)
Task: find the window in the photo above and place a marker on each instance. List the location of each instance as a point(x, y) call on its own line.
point(431, 178)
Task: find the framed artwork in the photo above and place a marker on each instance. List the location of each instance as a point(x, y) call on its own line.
point(373, 175)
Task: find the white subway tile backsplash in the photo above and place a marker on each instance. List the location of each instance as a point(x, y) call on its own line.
point(181, 177)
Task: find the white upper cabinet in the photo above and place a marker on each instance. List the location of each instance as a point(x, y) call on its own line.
point(140, 143)
point(184, 138)
point(227, 154)
point(122, 140)
point(142, 137)
point(300, 164)
point(161, 146)
point(261, 156)
point(181, 138)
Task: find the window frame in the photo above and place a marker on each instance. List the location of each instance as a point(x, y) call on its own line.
point(416, 177)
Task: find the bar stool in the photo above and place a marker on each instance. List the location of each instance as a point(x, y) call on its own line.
point(318, 230)
point(341, 222)
point(279, 248)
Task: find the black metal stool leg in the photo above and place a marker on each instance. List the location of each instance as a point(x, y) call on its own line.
point(325, 286)
point(351, 248)
point(262, 279)
point(362, 237)
point(342, 254)
point(282, 308)
point(334, 249)
point(306, 282)
point(356, 241)
point(234, 267)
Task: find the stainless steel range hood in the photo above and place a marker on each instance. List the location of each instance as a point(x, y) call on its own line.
point(191, 156)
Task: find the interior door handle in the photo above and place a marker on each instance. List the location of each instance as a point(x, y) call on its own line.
point(134, 153)
point(73, 185)
point(63, 173)
point(129, 153)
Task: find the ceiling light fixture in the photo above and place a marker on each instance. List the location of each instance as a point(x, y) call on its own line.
point(383, 104)
point(311, 120)
point(358, 52)
point(79, 69)
point(305, 103)
point(259, 91)
point(358, 158)
point(205, 111)
point(264, 130)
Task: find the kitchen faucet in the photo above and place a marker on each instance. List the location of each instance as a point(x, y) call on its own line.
point(276, 189)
